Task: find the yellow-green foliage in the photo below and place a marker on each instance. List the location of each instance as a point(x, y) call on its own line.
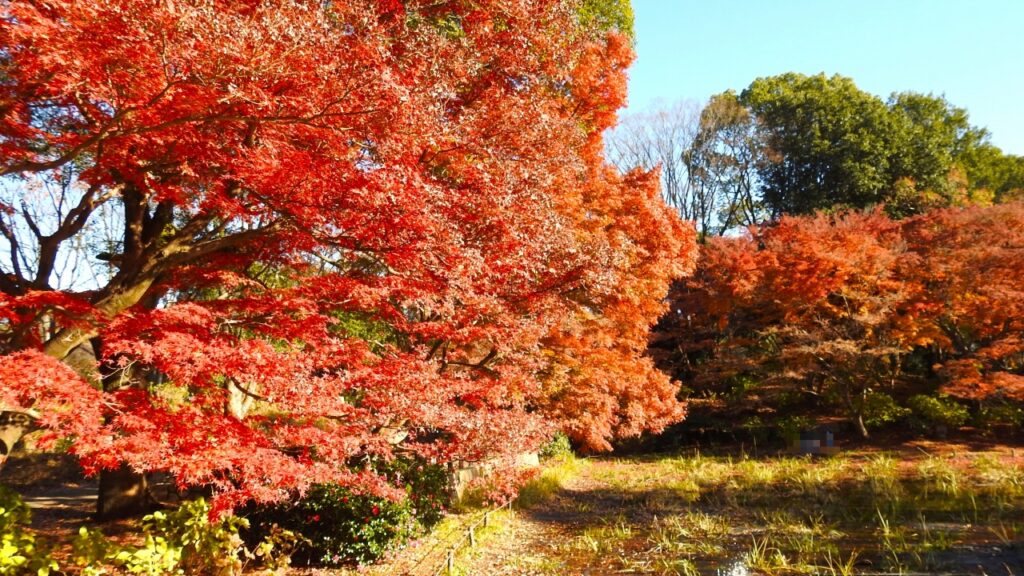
point(182, 541)
point(551, 479)
point(20, 551)
point(608, 15)
point(882, 473)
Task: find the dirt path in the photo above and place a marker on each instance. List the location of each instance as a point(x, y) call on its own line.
point(525, 546)
point(546, 539)
point(54, 508)
point(517, 543)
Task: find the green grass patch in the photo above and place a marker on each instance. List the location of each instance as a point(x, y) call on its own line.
point(550, 481)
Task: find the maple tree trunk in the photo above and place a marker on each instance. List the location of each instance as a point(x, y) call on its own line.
point(857, 410)
point(123, 493)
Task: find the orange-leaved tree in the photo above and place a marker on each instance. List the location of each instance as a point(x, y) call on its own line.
point(972, 263)
point(814, 305)
point(841, 308)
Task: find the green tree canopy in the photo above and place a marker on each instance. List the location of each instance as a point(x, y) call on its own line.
point(827, 143)
point(830, 142)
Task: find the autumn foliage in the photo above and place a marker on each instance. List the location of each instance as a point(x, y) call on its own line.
point(830, 309)
point(308, 235)
point(971, 266)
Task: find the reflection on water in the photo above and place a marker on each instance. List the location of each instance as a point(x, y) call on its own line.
point(737, 569)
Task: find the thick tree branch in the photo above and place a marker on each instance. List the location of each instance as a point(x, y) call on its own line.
point(12, 286)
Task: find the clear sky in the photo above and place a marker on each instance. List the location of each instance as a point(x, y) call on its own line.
point(971, 51)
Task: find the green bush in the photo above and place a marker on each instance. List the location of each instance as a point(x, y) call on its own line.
point(756, 429)
point(20, 551)
point(182, 541)
point(932, 414)
point(97, 555)
point(999, 413)
point(558, 447)
point(880, 409)
point(790, 427)
point(206, 547)
point(336, 525)
point(428, 487)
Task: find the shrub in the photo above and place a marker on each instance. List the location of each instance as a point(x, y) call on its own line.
point(20, 551)
point(183, 541)
point(206, 547)
point(428, 487)
point(790, 427)
point(96, 554)
point(558, 447)
point(880, 409)
point(998, 413)
point(932, 414)
point(337, 526)
point(333, 525)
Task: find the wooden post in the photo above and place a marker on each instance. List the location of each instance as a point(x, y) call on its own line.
point(487, 518)
point(451, 561)
point(472, 537)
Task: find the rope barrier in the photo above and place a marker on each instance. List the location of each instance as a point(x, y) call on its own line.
point(448, 567)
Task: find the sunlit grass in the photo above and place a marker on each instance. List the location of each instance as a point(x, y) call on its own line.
point(801, 515)
point(551, 479)
point(702, 514)
point(941, 475)
point(604, 540)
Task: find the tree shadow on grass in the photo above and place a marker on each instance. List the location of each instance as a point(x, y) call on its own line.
point(877, 516)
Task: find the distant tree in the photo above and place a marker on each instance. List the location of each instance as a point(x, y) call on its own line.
point(940, 165)
point(708, 159)
point(721, 166)
point(832, 308)
point(845, 312)
point(832, 144)
point(811, 305)
point(818, 142)
point(659, 138)
point(991, 172)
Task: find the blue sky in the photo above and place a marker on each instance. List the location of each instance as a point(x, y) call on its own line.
point(970, 51)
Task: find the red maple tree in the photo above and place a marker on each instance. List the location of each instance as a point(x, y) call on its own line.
point(812, 304)
point(326, 232)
